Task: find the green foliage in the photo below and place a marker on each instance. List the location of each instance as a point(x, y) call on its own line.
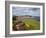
point(30, 24)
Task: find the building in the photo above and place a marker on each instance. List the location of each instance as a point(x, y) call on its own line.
point(23, 17)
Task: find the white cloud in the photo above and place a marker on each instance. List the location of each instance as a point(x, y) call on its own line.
point(25, 11)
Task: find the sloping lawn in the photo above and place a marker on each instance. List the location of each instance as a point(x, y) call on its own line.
point(31, 24)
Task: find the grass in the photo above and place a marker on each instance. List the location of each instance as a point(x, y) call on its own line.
point(31, 24)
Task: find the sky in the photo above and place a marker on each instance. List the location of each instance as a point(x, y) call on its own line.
point(20, 11)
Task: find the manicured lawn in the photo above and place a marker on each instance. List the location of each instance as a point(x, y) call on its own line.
point(31, 24)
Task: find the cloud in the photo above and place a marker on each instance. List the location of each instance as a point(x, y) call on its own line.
point(19, 11)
